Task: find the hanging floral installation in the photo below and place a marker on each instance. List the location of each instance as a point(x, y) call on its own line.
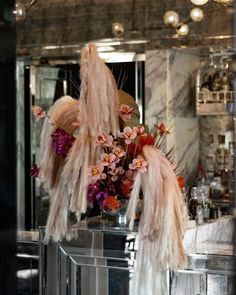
point(93, 152)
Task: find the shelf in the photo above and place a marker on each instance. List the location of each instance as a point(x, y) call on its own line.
point(206, 109)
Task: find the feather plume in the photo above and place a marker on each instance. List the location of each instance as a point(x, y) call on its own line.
point(98, 113)
point(57, 223)
point(63, 113)
point(161, 227)
point(133, 202)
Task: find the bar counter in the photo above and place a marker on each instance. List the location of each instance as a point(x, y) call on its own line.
point(100, 261)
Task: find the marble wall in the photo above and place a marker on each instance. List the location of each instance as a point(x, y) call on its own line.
point(169, 97)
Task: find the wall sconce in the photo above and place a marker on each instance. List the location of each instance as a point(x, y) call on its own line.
point(21, 9)
point(118, 29)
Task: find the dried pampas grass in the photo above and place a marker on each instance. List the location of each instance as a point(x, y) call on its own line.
point(61, 115)
point(162, 223)
point(67, 180)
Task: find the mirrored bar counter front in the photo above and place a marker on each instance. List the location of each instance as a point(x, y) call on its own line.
point(100, 261)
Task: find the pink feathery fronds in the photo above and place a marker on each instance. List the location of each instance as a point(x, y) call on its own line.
point(98, 113)
point(102, 96)
point(133, 201)
point(163, 217)
point(161, 227)
point(63, 113)
point(57, 225)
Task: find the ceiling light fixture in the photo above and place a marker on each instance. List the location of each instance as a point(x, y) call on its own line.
point(225, 2)
point(21, 9)
point(171, 18)
point(182, 30)
point(199, 2)
point(196, 14)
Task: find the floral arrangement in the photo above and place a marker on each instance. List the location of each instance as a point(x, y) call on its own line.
point(111, 178)
point(93, 151)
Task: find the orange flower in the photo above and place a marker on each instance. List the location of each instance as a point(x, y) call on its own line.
point(162, 129)
point(38, 111)
point(181, 181)
point(111, 204)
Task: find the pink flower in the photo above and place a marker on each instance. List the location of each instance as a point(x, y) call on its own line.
point(107, 159)
point(138, 129)
point(116, 172)
point(118, 152)
point(125, 112)
point(95, 173)
point(138, 164)
point(104, 139)
point(128, 135)
point(162, 129)
point(38, 111)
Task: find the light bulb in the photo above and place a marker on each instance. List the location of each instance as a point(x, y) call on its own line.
point(182, 30)
point(118, 29)
point(196, 14)
point(20, 12)
point(199, 2)
point(171, 18)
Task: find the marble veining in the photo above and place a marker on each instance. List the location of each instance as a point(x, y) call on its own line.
point(155, 86)
point(169, 97)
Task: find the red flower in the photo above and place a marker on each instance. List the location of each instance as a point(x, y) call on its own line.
point(136, 148)
point(34, 171)
point(126, 186)
point(181, 181)
point(146, 140)
point(162, 129)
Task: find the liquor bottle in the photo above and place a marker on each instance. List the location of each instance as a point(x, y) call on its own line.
point(221, 155)
point(210, 158)
point(231, 170)
point(193, 202)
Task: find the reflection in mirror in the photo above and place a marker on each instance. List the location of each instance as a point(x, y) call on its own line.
point(173, 80)
point(44, 85)
point(175, 85)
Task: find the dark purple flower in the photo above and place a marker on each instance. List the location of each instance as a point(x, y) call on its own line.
point(62, 142)
point(34, 171)
point(101, 196)
point(93, 189)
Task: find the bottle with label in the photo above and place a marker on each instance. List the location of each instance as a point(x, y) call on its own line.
point(231, 170)
point(221, 155)
point(199, 215)
point(193, 202)
point(210, 159)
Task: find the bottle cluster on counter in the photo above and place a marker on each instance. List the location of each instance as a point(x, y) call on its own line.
point(214, 188)
point(219, 168)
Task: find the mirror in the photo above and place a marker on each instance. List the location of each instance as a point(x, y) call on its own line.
point(48, 58)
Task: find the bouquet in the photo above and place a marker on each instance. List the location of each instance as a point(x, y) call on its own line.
point(112, 178)
point(94, 152)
